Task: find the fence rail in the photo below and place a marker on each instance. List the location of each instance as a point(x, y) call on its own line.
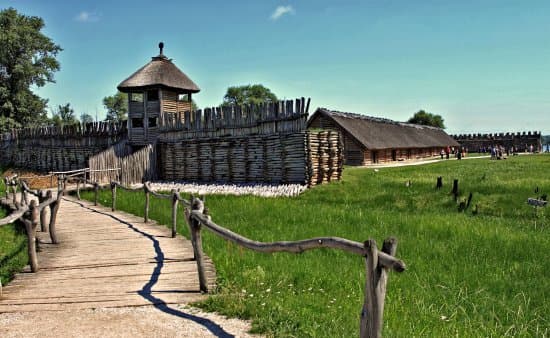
point(378, 262)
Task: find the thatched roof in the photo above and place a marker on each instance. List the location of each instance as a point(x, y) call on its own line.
point(159, 72)
point(379, 133)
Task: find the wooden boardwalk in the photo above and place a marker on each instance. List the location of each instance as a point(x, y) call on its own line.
point(106, 260)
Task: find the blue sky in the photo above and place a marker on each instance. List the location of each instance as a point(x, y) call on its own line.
point(483, 65)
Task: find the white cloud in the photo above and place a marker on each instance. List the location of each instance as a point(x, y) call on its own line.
point(280, 11)
point(86, 17)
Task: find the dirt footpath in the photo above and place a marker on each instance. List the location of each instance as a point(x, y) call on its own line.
point(143, 321)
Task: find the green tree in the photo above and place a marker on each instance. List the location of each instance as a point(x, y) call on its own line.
point(427, 119)
point(64, 116)
point(244, 95)
point(27, 58)
point(117, 107)
point(86, 118)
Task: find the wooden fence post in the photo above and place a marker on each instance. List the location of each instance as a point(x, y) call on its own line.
point(196, 240)
point(175, 196)
point(54, 207)
point(113, 196)
point(455, 189)
point(375, 288)
point(43, 196)
point(30, 227)
point(24, 197)
point(146, 212)
point(15, 203)
point(439, 184)
point(96, 192)
point(78, 189)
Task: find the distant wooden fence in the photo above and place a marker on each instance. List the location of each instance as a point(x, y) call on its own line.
point(58, 148)
point(30, 213)
point(378, 262)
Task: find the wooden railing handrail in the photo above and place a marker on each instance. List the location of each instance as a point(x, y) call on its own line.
point(31, 213)
point(298, 246)
point(378, 262)
point(83, 170)
point(14, 216)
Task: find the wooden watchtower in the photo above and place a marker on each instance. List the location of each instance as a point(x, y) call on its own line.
point(156, 89)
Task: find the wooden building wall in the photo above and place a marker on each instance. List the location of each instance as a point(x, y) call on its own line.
point(356, 154)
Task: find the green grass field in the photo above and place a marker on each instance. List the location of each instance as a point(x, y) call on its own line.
point(13, 246)
point(480, 273)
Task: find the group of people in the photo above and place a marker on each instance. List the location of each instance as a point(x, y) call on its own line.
point(501, 152)
point(458, 152)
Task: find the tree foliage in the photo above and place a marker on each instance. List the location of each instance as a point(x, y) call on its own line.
point(86, 118)
point(427, 119)
point(27, 58)
point(64, 116)
point(117, 107)
point(248, 94)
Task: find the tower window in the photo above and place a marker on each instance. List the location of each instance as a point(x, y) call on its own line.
point(152, 95)
point(137, 123)
point(136, 97)
point(152, 123)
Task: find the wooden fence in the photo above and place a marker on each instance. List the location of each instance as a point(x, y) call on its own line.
point(262, 119)
point(135, 167)
point(53, 148)
point(378, 262)
point(31, 213)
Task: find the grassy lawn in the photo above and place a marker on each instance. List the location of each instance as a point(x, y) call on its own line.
point(480, 273)
point(13, 246)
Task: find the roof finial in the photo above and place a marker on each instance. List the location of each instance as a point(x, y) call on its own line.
point(161, 46)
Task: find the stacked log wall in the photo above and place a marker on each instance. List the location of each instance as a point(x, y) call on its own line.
point(58, 148)
point(325, 156)
point(354, 152)
point(265, 143)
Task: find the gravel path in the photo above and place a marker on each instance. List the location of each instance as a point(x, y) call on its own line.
point(144, 321)
point(264, 190)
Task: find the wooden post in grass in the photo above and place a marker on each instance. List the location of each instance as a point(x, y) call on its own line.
point(455, 189)
point(175, 196)
point(113, 196)
point(146, 212)
point(439, 183)
point(30, 227)
point(96, 192)
point(375, 289)
point(196, 240)
point(54, 207)
point(43, 196)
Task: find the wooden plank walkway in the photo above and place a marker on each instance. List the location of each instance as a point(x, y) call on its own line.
point(106, 260)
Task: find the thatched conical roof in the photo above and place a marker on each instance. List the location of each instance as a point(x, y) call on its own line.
point(160, 72)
